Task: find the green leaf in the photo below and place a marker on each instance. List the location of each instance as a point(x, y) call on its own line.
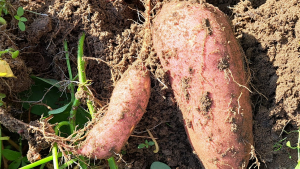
point(23, 19)
point(140, 146)
point(15, 164)
point(5, 11)
point(151, 143)
point(2, 52)
point(146, 141)
point(2, 95)
point(59, 110)
point(1, 103)
point(9, 50)
point(10, 154)
point(64, 116)
point(25, 161)
point(4, 138)
point(2, 21)
point(52, 82)
point(17, 17)
point(54, 98)
point(82, 117)
point(82, 163)
point(15, 54)
point(21, 26)
point(298, 166)
point(112, 163)
point(288, 144)
point(159, 165)
point(20, 11)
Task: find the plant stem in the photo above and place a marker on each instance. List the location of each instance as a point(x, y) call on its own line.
point(76, 77)
point(71, 86)
point(59, 125)
point(55, 157)
point(81, 72)
point(54, 149)
point(73, 111)
point(37, 13)
point(69, 70)
point(67, 164)
point(80, 61)
point(112, 163)
point(40, 162)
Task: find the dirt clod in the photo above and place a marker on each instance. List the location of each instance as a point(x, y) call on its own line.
point(205, 102)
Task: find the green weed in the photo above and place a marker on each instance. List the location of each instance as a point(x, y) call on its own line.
point(2, 96)
point(279, 145)
point(147, 144)
point(65, 109)
point(15, 156)
point(14, 53)
point(20, 13)
point(160, 165)
point(3, 10)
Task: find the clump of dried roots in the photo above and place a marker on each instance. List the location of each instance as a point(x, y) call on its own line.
point(40, 135)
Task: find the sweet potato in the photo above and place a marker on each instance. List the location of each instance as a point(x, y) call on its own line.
point(198, 49)
point(127, 105)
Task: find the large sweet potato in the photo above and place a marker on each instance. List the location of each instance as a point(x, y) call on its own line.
point(127, 105)
point(196, 45)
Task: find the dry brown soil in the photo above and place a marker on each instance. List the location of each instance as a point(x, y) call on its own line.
point(268, 30)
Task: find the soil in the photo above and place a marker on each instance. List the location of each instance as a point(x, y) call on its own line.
point(269, 33)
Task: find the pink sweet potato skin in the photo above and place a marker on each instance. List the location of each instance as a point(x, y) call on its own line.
point(127, 105)
point(197, 47)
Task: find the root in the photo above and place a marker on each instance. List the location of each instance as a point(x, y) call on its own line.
point(153, 139)
point(227, 71)
point(240, 85)
point(147, 32)
point(258, 92)
point(253, 156)
point(238, 100)
point(10, 91)
point(40, 134)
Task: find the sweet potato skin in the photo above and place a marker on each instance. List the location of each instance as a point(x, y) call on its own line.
point(197, 47)
point(127, 105)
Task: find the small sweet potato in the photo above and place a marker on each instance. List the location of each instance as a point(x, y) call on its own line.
point(127, 105)
point(197, 47)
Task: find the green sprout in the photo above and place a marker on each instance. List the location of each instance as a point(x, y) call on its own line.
point(279, 145)
point(147, 144)
point(2, 96)
point(2, 21)
point(14, 53)
point(20, 13)
point(288, 144)
point(3, 8)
